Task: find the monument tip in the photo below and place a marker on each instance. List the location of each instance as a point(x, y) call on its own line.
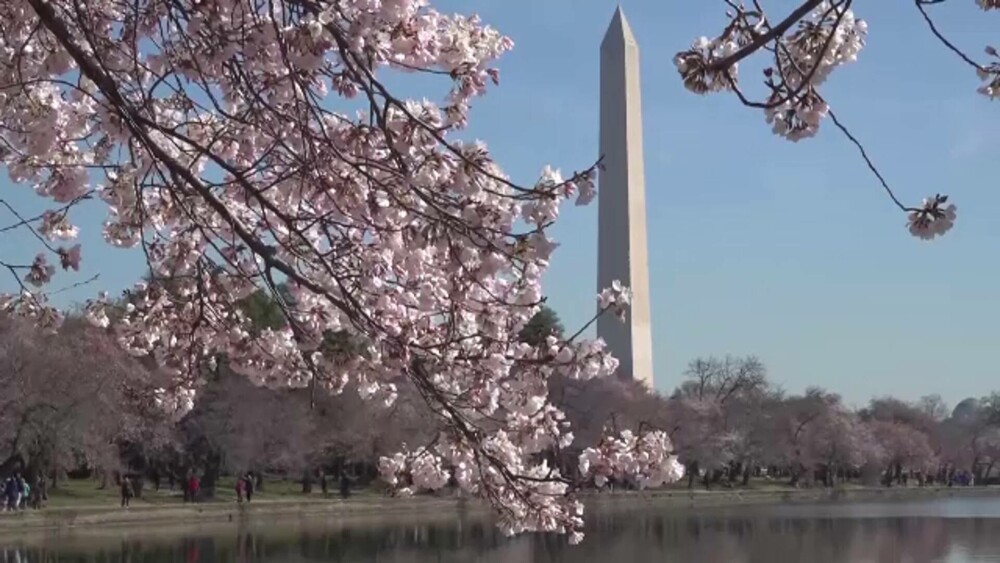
point(619, 29)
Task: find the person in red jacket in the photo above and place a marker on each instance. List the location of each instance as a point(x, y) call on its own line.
point(241, 488)
point(194, 485)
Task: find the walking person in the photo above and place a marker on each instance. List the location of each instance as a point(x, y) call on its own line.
point(194, 485)
point(345, 485)
point(25, 494)
point(18, 490)
point(9, 493)
point(38, 493)
point(126, 491)
point(241, 488)
point(249, 486)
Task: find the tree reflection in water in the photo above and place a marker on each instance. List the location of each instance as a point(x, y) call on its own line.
point(753, 535)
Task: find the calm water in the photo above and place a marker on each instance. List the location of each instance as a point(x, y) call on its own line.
point(951, 530)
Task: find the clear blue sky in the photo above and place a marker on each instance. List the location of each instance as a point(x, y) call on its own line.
point(757, 245)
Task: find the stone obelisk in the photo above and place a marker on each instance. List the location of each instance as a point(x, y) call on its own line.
point(621, 252)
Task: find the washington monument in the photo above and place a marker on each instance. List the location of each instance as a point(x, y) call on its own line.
point(621, 238)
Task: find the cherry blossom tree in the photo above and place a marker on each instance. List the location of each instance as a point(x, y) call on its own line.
point(792, 425)
point(908, 434)
point(246, 427)
point(710, 413)
point(703, 441)
point(242, 146)
point(971, 436)
point(69, 400)
point(803, 49)
point(838, 440)
point(904, 448)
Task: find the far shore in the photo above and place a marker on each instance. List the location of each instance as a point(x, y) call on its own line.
point(373, 510)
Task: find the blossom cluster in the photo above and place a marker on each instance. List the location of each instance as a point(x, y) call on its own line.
point(935, 218)
point(990, 75)
point(529, 496)
point(696, 68)
point(174, 402)
point(33, 307)
point(646, 459)
point(616, 298)
point(829, 36)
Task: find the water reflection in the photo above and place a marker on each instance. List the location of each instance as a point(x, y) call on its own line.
point(951, 531)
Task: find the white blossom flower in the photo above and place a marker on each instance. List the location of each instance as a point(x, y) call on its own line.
point(935, 218)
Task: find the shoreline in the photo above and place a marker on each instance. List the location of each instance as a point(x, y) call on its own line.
point(368, 510)
point(731, 498)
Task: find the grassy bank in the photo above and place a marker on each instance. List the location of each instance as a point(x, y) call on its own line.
point(75, 493)
point(82, 504)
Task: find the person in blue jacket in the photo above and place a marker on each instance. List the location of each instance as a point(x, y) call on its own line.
point(10, 492)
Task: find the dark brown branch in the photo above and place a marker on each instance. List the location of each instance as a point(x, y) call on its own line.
point(762, 40)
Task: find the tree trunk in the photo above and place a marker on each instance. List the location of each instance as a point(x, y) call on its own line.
point(209, 479)
point(732, 468)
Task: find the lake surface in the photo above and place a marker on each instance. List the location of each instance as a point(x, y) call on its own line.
point(946, 530)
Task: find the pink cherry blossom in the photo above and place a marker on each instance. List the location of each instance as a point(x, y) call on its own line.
point(648, 460)
point(40, 272)
point(70, 258)
point(990, 74)
point(56, 225)
point(616, 298)
point(935, 218)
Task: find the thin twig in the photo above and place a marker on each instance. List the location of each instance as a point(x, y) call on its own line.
point(868, 161)
point(930, 23)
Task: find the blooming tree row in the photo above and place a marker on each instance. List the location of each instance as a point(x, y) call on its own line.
point(728, 422)
point(80, 407)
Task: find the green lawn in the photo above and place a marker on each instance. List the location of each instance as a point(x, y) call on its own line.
point(87, 492)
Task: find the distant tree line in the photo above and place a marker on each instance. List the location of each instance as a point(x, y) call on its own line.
point(74, 404)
